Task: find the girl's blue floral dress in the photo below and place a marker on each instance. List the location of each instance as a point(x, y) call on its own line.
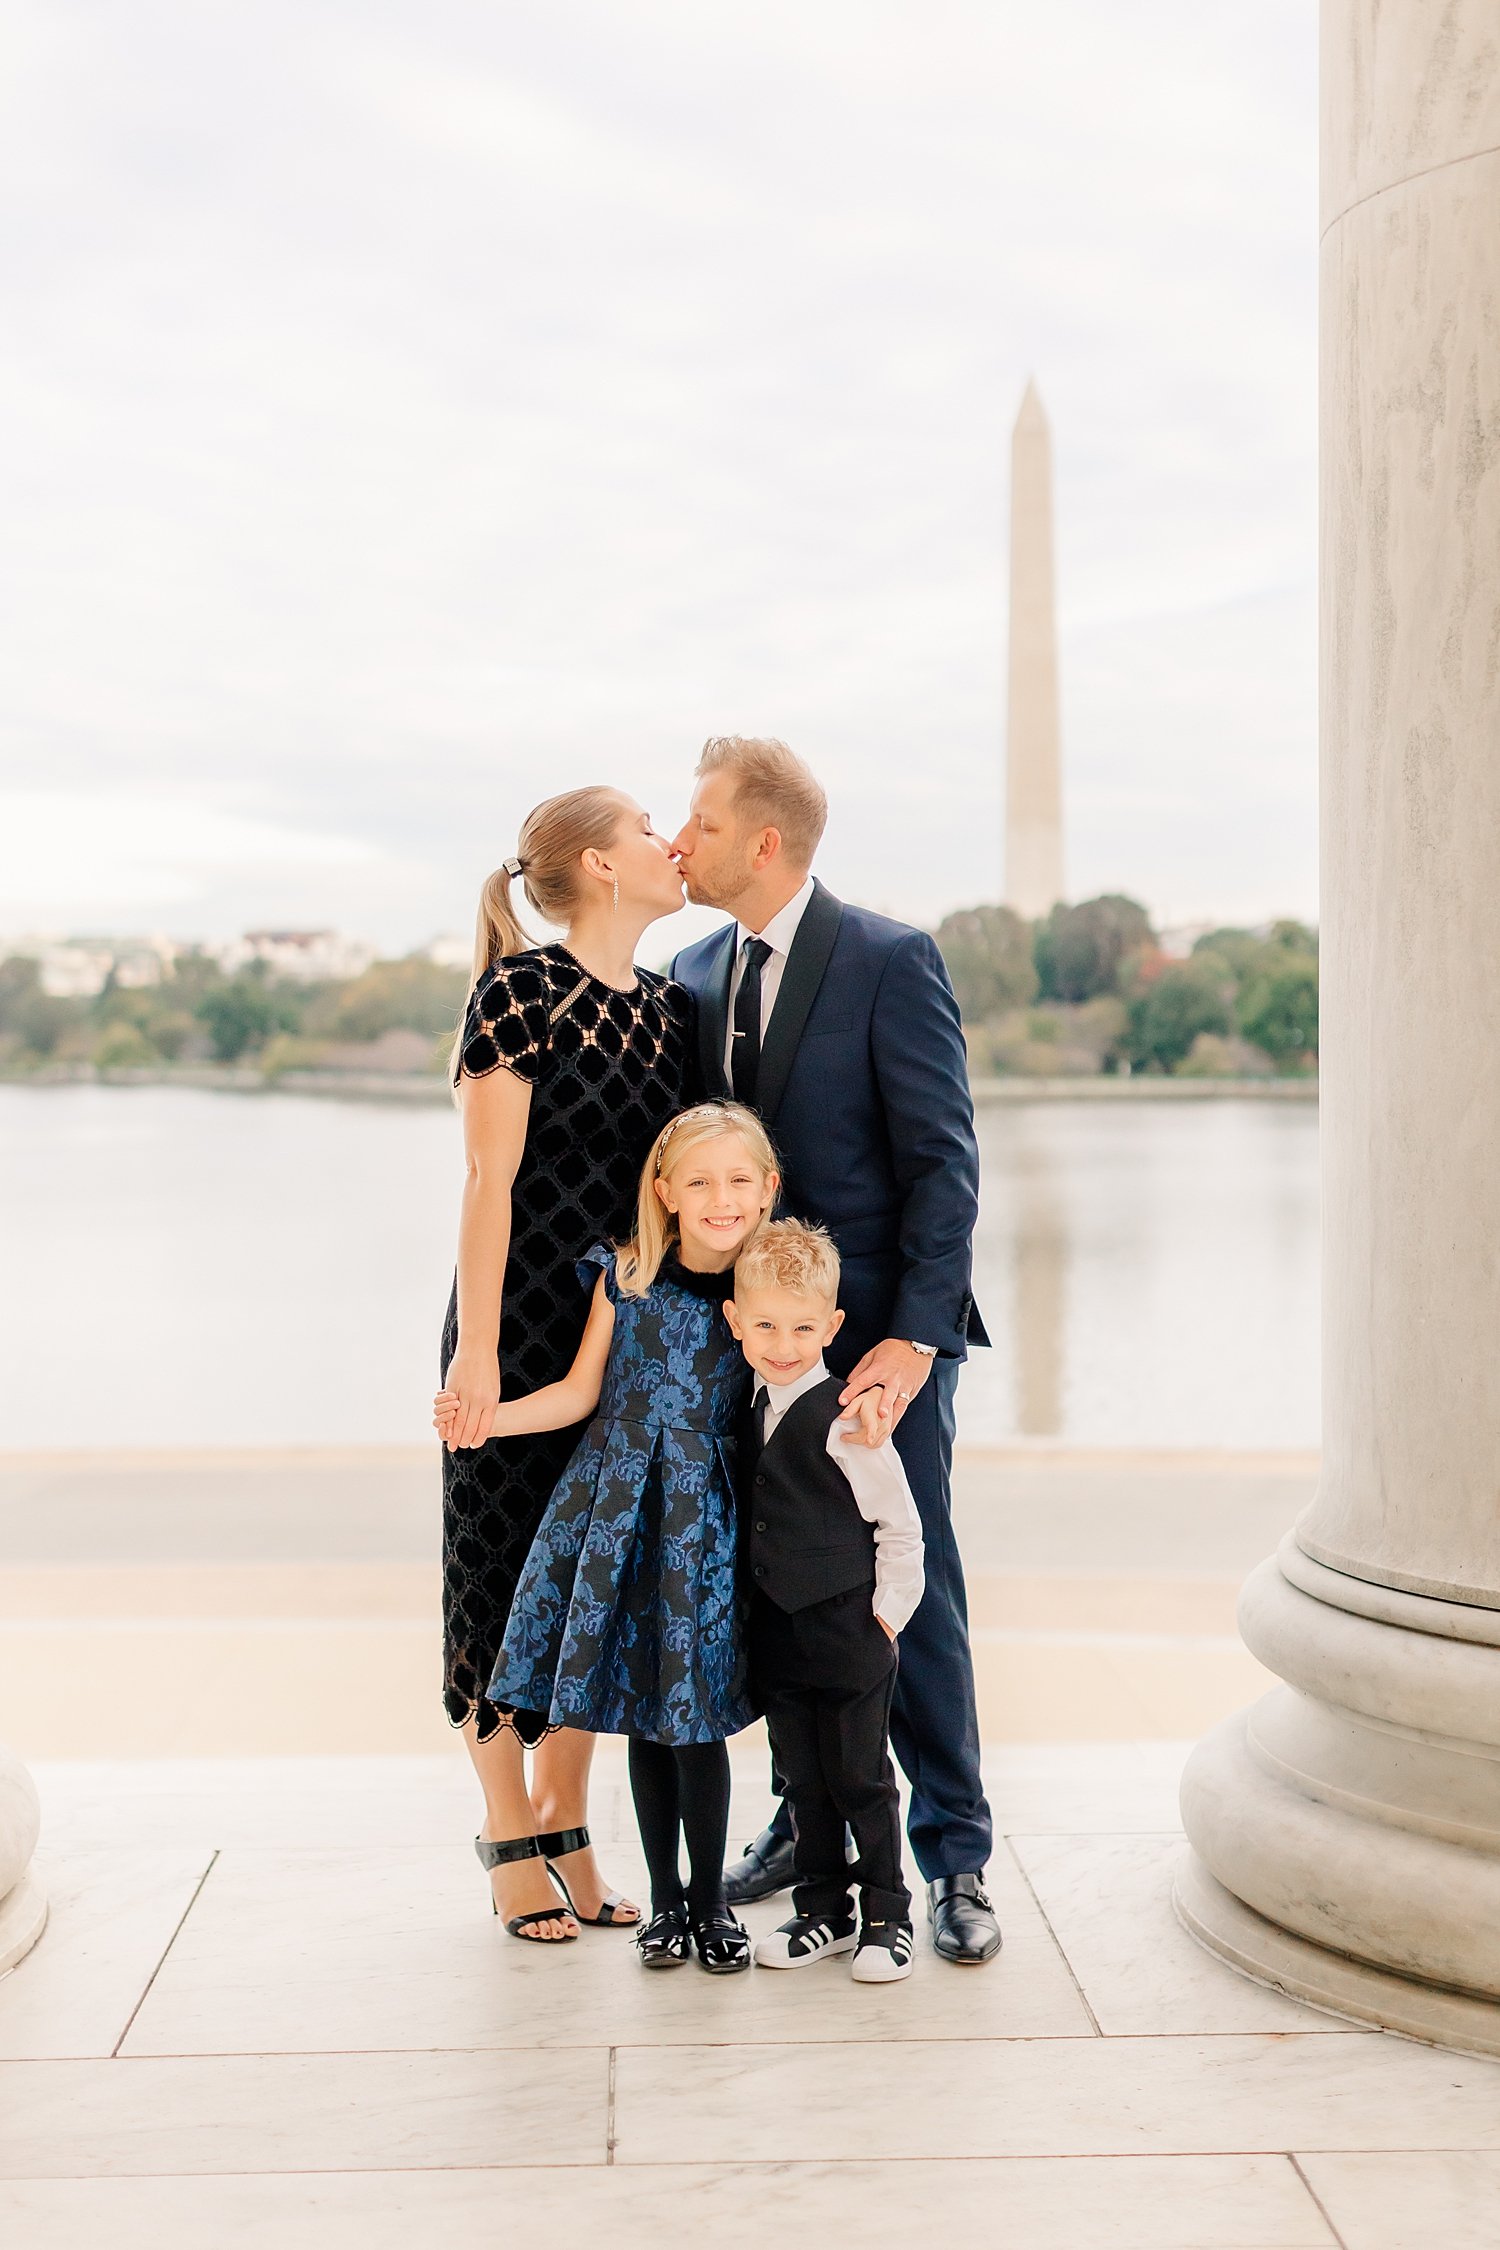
point(627, 1616)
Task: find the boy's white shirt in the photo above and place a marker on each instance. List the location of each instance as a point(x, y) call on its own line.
point(881, 1494)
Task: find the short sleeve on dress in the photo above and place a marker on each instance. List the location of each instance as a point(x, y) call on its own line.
point(507, 1022)
point(601, 1259)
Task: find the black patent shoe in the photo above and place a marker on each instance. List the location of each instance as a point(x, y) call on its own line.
point(722, 1943)
point(964, 1927)
point(664, 1942)
point(765, 1869)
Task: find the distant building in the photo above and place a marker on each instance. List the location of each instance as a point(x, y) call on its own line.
point(78, 968)
point(450, 952)
point(1178, 943)
point(303, 956)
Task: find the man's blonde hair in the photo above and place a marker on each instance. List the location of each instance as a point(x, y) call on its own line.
point(772, 789)
point(788, 1255)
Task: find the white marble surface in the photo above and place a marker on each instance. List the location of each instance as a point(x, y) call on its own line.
point(20, 1820)
point(23, 1917)
point(1045, 2097)
point(288, 1951)
point(1072, 1788)
point(340, 2048)
point(1138, 2203)
point(1402, 2201)
point(113, 1915)
point(1352, 1838)
point(1108, 1900)
point(302, 2113)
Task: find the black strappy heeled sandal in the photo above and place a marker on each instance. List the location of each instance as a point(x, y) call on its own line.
point(663, 1942)
point(557, 1844)
point(522, 1925)
point(722, 1942)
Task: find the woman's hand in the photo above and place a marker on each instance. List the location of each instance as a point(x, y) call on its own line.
point(474, 1382)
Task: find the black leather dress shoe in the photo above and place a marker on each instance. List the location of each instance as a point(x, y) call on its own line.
point(765, 1869)
point(963, 1921)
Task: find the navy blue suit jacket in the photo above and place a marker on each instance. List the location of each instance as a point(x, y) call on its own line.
point(864, 1088)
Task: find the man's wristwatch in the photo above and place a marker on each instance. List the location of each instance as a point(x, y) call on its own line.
point(927, 1351)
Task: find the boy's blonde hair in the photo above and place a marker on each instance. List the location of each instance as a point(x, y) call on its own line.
point(789, 1255)
point(640, 1260)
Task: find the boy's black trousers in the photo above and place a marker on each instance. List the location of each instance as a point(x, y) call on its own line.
point(824, 1677)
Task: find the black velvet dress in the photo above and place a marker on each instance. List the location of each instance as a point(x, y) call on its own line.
point(607, 1069)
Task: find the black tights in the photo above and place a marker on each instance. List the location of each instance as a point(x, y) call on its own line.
point(682, 1793)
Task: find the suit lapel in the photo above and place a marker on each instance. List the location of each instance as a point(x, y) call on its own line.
point(812, 948)
point(713, 1015)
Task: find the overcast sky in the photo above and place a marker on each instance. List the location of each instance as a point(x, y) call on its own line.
point(412, 409)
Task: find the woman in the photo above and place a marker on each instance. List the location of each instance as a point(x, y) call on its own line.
point(569, 1062)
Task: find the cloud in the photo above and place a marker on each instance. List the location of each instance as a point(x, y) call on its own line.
point(62, 852)
point(411, 410)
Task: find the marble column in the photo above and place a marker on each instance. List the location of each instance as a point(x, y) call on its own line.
point(1033, 754)
point(23, 1906)
point(1346, 1830)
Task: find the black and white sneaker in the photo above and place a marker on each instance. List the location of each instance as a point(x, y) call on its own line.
point(803, 1940)
point(883, 1955)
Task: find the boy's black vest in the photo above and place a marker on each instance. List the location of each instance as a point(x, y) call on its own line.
point(803, 1535)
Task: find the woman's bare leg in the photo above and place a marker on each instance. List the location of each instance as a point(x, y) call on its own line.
point(560, 1799)
point(523, 1886)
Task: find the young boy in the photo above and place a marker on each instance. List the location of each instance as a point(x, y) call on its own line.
point(833, 1552)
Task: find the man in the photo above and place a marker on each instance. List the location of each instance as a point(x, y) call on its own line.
point(841, 1028)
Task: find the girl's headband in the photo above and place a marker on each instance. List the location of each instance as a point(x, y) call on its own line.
point(703, 1109)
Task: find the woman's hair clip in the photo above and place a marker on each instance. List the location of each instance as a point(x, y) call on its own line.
point(511, 866)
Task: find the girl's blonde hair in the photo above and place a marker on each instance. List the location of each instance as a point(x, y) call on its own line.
point(554, 837)
point(640, 1260)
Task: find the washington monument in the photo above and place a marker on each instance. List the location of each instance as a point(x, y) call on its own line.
point(1033, 765)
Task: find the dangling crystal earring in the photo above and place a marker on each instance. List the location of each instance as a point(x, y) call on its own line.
point(617, 894)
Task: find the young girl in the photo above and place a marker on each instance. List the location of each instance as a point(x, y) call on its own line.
point(626, 1619)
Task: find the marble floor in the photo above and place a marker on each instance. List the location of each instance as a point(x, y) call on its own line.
point(1101, 1593)
point(272, 2008)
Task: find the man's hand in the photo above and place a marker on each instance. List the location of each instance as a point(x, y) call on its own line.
point(895, 1365)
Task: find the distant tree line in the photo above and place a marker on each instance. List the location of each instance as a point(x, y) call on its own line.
point(198, 1013)
point(1089, 988)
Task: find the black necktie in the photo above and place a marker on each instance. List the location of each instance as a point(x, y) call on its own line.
point(744, 1058)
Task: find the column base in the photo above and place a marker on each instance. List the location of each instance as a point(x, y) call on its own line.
point(1332, 1982)
point(23, 1917)
point(1346, 1829)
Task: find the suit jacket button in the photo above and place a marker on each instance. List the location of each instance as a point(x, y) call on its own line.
point(760, 1527)
point(760, 1570)
point(760, 1480)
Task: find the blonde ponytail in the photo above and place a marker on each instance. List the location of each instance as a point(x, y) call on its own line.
point(554, 838)
point(497, 927)
point(642, 1258)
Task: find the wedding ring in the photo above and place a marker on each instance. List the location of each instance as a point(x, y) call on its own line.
point(903, 1394)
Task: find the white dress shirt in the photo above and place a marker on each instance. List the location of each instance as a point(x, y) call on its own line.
point(881, 1494)
point(778, 934)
